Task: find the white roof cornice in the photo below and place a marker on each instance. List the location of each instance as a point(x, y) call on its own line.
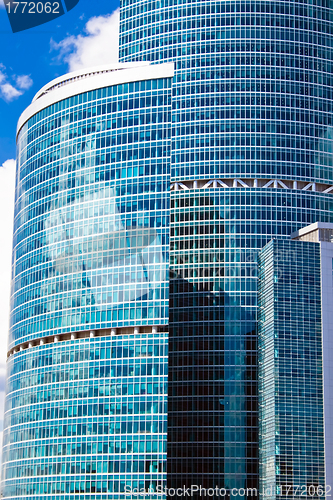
point(79, 82)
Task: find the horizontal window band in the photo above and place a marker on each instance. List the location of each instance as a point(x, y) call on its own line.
point(108, 332)
point(252, 183)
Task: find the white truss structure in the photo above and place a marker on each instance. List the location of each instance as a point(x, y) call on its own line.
point(252, 183)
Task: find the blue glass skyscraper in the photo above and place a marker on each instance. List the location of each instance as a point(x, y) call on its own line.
point(251, 159)
point(295, 364)
point(242, 133)
point(85, 411)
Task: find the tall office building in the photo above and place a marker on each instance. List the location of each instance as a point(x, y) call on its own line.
point(295, 364)
point(85, 410)
point(251, 159)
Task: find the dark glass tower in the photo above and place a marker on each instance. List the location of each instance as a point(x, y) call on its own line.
point(251, 159)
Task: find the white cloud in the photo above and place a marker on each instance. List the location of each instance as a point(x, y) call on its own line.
point(24, 82)
point(10, 91)
point(1, 438)
point(7, 188)
point(98, 44)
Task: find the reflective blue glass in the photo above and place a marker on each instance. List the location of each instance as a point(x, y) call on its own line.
point(252, 115)
point(86, 396)
point(291, 389)
point(248, 152)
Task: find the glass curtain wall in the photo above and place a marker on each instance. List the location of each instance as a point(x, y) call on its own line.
point(86, 395)
point(251, 159)
point(291, 389)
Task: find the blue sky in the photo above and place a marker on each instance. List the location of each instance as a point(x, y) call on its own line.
point(85, 36)
point(31, 58)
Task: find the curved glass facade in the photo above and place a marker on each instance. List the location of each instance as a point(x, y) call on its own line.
point(91, 204)
point(251, 147)
point(244, 134)
point(85, 410)
point(253, 85)
point(86, 418)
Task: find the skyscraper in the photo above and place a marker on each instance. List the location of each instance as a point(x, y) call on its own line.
point(295, 364)
point(251, 159)
point(85, 409)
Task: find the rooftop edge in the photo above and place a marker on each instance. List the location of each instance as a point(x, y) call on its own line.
point(79, 82)
point(311, 228)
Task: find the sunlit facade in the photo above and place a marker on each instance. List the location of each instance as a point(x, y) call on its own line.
point(86, 395)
